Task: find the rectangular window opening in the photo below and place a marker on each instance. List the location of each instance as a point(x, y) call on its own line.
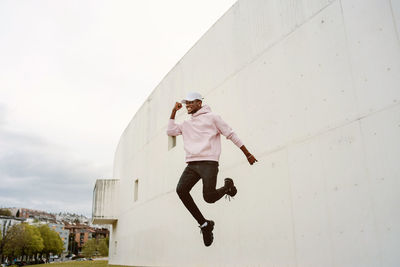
point(171, 142)
point(136, 191)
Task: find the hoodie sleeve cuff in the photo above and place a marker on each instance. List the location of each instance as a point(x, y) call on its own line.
point(235, 139)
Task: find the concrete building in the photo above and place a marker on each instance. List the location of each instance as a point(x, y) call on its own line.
point(313, 89)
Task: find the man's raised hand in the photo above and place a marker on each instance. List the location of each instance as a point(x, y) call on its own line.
point(177, 106)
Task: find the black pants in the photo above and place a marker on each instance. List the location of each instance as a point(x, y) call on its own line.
point(207, 171)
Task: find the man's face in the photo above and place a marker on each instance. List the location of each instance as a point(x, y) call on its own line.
point(193, 106)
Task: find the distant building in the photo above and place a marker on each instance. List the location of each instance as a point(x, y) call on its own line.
point(35, 214)
point(100, 233)
point(71, 218)
point(64, 233)
point(81, 233)
point(7, 221)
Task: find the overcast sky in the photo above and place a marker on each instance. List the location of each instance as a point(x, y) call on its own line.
point(72, 75)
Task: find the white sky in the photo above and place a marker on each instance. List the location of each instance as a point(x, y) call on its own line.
point(72, 75)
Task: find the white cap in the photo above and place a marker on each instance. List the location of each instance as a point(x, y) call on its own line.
point(192, 96)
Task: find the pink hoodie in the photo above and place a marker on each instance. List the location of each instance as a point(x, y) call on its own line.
point(201, 135)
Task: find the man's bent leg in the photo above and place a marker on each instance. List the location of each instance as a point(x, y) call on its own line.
point(209, 173)
point(188, 179)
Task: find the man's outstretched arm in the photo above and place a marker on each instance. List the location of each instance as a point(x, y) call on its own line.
point(250, 158)
point(227, 131)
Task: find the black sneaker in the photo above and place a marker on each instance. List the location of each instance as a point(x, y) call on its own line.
point(208, 236)
point(230, 187)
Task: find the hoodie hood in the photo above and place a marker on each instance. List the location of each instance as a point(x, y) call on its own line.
point(204, 109)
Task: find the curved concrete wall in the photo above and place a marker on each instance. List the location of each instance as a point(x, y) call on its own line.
point(313, 89)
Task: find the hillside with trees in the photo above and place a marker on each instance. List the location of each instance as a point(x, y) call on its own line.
point(30, 242)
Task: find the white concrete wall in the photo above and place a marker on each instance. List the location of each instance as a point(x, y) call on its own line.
point(313, 89)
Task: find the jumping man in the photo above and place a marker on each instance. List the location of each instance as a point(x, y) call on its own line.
point(202, 142)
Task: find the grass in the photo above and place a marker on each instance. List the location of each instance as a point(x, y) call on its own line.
point(80, 264)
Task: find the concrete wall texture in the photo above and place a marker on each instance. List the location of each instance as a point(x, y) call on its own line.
point(312, 87)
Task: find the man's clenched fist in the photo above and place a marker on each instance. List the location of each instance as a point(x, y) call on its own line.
point(178, 106)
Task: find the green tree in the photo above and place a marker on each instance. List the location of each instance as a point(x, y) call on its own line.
point(51, 241)
point(5, 212)
point(103, 248)
point(22, 240)
point(95, 247)
point(90, 248)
